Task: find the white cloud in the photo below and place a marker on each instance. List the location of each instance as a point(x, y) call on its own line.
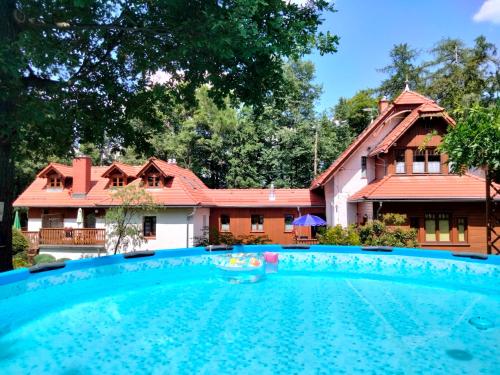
point(489, 12)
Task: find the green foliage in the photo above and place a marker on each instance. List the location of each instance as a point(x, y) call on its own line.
point(385, 232)
point(455, 76)
point(20, 243)
point(388, 232)
point(124, 233)
point(223, 238)
point(20, 260)
point(475, 140)
point(338, 235)
point(394, 219)
point(402, 69)
point(44, 258)
point(358, 111)
point(246, 146)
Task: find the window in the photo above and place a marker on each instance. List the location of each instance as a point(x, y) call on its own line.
point(462, 229)
point(149, 226)
point(437, 227)
point(419, 161)
point(363, 166)
point(433, 161)
point(225, 223)
point(118, 181)
point(153, 180)
point(257, 223)
point(288, 223)
point(400, 161)
point(426, 161)
point(55, 181)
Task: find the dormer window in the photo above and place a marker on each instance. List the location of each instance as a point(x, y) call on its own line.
point(55, 181)
point(153, 180)
point(117, 181)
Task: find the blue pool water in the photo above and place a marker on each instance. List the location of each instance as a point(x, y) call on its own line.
point(331, 310)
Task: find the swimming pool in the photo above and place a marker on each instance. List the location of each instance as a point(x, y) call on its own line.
point(320, 311)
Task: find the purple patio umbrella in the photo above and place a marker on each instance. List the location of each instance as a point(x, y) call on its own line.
point(309, 221)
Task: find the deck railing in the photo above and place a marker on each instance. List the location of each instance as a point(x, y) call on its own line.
point(72, 236)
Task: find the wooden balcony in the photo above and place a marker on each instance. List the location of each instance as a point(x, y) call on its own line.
point(72, 237)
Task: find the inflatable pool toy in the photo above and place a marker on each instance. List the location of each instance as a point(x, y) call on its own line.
point(271, 257)
point(241, 262)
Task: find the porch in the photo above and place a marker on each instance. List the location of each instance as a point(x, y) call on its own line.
point(56, 237)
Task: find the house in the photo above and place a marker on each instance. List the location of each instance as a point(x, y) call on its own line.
point(187, 207)
point(394, 166)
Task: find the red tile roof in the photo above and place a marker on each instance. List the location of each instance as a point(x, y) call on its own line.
point(184, 189)
point(63, 170)
point(260, 198)
point(404, 125)
point(405, 99)
point(128, 170)
point(419, 188)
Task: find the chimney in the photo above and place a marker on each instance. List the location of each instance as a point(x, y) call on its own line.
point(81, 176)
point(272, 194)
point(383, 104)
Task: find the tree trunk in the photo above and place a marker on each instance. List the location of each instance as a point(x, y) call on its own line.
point(9, 86)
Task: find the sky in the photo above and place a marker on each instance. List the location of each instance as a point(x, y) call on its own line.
point(369, 28)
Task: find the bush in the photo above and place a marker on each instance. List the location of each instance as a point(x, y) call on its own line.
point(339, 236)
point(217, 238)
point(388, 232)
point(44, 258)
point(19, 242)
point(20, 260)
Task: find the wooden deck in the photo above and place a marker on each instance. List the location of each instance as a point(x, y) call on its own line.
point(65, 237)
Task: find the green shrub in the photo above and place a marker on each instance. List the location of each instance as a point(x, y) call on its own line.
point(19, 242)
point(394, 219)
point(20, 260)
point(378, 233)
point(218, 238)
point(339, 236)
point(44, 258)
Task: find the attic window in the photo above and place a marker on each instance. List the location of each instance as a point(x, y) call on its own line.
point(117, 181)
point(153, 180)
point(55, 181)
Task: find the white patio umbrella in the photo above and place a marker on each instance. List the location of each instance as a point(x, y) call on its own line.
point(79, 217)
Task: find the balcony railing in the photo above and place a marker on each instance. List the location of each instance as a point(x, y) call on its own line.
point(72, 236)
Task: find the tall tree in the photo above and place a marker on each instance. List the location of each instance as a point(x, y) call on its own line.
point(460, 76)
point(358, 111)
point(403, 69)
point(77, 71)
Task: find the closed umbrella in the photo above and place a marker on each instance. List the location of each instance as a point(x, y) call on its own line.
point(79, 217)
point(17, 221)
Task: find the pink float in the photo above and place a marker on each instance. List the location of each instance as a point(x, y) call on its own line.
point(271, 257)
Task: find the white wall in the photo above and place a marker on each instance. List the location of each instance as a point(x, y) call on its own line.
point(34, 224)
point(171, 231)
point(347, 180)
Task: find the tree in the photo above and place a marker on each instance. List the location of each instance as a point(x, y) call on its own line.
point(77, 72)
point(402, 70)
point(459, 76)
point(357, 111)
point(121, 220)
point(474, 143)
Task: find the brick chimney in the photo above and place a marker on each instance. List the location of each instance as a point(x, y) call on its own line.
point(81, 176)
point(383, 104)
